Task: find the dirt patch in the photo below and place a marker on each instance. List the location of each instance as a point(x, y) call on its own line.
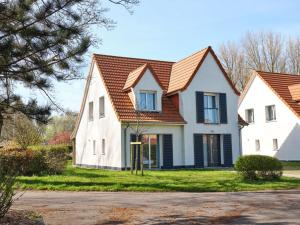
point(17, 217)
point(121, 215)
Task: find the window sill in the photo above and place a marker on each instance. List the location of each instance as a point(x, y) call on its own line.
point(100, 117)
point(270, 121)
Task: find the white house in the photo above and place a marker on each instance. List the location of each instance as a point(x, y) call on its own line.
point(271, 106)
point(187, 110)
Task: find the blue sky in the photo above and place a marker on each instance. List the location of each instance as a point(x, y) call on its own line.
point(173, 29)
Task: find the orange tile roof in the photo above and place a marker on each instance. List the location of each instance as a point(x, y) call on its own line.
point(184, 71)
point(114, 72)
point(134, 76)
point(280, 83)
point(295, 91)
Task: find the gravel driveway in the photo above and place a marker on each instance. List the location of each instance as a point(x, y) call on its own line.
point(85, 208)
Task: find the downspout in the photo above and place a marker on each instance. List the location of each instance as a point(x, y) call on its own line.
point(240, 139)
point(125, 144)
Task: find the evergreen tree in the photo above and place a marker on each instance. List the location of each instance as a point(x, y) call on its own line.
point(43, 41)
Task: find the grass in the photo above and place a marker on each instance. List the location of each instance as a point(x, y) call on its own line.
point(291, 165)
point(80, 179)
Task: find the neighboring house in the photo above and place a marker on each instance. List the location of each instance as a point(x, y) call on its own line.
point(187, 109)
point(271, 106)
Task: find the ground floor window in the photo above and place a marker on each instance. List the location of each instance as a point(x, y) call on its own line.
point(212, 150)
point(151, 151)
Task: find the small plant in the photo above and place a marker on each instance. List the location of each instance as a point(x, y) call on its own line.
point(6, 192)
point(252, 167)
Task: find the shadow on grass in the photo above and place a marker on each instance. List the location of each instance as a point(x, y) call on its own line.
point(192, 186)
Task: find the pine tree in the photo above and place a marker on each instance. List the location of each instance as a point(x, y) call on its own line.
point(42, 41)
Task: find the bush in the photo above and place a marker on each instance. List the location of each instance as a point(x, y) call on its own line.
point(37, 160)
point(252, 167)
point(6, 192)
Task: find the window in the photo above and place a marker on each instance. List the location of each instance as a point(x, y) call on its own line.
point(250, 115)
point(275, 144)
point(257, 145)
point(147, 101)
point(101, 107)
point(91, 111)
point(211, 112)
point(94, 147)
point(103, 146)
point(270, 113)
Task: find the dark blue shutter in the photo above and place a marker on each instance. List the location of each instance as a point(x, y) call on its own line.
point(167, 151)
point(223, 108)
point(133, 139)
point(199, 107)
point(227, 148)
point(198, 151)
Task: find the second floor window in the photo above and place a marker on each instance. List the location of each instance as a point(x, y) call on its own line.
point(91, 111)
point(257, 145)
point(250, 115)
point(101, 107)
point(147, 101)
point(211, 112)
point(270, 113)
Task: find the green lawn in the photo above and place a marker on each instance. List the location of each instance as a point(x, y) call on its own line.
point(79, 179)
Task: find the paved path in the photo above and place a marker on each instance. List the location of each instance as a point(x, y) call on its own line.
point(294, 175)
point(85, 208)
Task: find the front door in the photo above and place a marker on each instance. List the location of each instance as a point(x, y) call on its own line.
point(150, 147)
point(213, 150)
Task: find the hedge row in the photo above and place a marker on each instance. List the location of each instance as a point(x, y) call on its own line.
point(38, 160)
point(252, 167)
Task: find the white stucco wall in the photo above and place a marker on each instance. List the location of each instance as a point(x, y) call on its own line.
point(209, 78)
point(108, 128)
point(148, 83)
point(175, 130)
point(286, 128)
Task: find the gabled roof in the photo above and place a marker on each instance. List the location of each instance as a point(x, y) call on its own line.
point(114, 71)
point(279, 83)
point(184, 71)
point(119, 74)
point(135, 75)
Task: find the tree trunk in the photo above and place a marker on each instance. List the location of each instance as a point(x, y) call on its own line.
point(1, 123)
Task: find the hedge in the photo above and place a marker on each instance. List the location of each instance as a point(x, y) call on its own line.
point(259, 166)
point(37, 160)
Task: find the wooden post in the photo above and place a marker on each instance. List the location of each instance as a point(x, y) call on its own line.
point(136, 159)
point(131, 159)
point(141, 158)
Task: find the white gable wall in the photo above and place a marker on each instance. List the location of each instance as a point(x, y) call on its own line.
point(108, 128)
point(148, 83)
point(286, 128)
point(209, 78)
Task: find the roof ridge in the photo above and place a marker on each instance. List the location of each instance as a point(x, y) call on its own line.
point(289, 74)
point(202, 50)
point(125, 57)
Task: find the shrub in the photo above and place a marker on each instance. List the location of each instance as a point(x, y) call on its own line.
point(37, 160)
point(6, 192)
point(252, 167)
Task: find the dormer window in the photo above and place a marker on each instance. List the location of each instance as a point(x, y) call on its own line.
point(147, 101)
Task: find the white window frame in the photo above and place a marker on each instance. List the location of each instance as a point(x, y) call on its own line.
point(257, 145)
point(103, 146)
point(101, 107)
point(275, 144)
point(247, 116)
point(267, 113)
point(94, 147)
point(216, 95)
point(155, 100)
point(91, 111)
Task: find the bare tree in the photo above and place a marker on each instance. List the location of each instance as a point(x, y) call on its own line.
point(234, 62)
point(265, 51)
point(293, 55)
point(27, 132)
